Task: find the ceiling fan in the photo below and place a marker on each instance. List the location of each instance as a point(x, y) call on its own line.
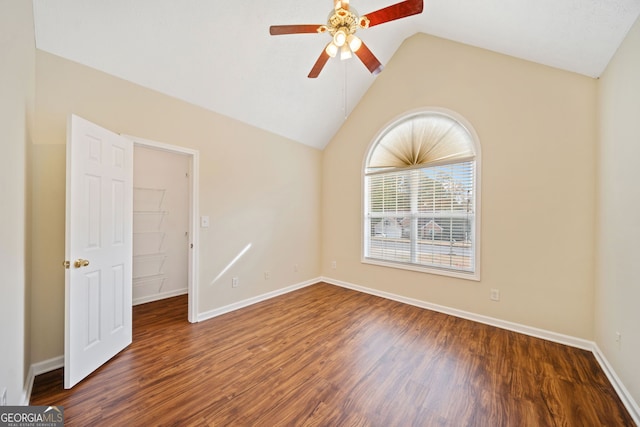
point(342, 24)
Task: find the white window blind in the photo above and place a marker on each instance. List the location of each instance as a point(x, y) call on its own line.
point(422, 214)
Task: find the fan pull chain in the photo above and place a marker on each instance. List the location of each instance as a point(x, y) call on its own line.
point(345, 90)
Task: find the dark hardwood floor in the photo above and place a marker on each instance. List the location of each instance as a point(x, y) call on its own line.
point(327, 356)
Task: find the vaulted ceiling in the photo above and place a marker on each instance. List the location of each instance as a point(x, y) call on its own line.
point(220, 56)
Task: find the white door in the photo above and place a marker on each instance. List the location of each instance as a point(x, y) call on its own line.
point(98, 247)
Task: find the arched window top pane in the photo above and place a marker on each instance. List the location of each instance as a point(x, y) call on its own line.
point(421, 139)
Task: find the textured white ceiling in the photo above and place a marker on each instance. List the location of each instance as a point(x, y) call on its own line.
point(220, 56)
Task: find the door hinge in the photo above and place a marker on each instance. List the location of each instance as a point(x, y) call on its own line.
point(66, 264)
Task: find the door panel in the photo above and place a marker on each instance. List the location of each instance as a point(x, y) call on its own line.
point(98, 247)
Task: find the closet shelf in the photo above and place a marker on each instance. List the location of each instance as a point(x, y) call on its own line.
point(148, 199)
point(150, 212)
point(145, 257)
point(148, 265)
point(150, 278)
point(150, 255)
point(148, 221)
point(148, 242)
point(154, 284)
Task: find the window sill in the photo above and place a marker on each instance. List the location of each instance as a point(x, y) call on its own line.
point(472, 275)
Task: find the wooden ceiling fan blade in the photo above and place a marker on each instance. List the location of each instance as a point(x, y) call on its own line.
point(395, 11)
point(319, 65)
point(369, 59)
point(277, 30)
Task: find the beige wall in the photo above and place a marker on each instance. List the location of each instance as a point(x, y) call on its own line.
point(258, 188)
point(537, 131)
point(16, 104)
point(618, 290)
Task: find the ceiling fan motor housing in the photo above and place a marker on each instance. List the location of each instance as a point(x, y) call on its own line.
point(346, 20)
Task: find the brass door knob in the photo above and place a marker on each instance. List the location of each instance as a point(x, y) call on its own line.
point(81, 263)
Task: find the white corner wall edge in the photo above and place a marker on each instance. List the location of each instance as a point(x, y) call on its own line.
point(254, 300)
point(627, 400)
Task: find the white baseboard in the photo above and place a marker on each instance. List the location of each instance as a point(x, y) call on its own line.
point(623, 393)
point(37, 369)
point(47, 365)
point(250, 301)
point(158, 297)
point(628, 401)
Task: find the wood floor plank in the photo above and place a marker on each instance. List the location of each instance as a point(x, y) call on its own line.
point(328, 356)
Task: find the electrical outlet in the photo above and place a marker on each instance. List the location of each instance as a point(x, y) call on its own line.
point(295, 268)
point(334, 265)
point(234, 282)
point(619, 339)
point(494, 295)
point(267, 275)
point(3, 401)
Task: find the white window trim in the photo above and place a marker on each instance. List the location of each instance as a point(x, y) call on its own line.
point(475, 275)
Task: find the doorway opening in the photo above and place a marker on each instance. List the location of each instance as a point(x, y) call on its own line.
point(165, 232)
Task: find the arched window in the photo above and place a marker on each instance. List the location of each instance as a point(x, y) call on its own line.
point(421, 196)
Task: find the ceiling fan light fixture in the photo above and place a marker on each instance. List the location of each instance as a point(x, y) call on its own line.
point(331, 50)
point(345, 52)
point(340, 37)
point(342, 4)
point(354, 42)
